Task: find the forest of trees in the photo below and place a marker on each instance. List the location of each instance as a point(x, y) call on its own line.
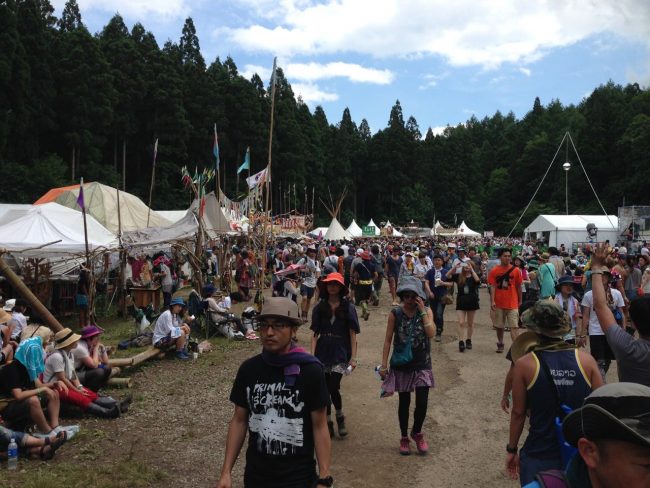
point(74, 104)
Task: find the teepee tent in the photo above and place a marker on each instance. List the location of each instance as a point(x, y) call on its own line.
point(353, 229)
point(335, 231)
point(101, 203)
point(372, 223)
point(466, 231)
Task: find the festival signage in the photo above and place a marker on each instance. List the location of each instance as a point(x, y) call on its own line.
point(368, 231)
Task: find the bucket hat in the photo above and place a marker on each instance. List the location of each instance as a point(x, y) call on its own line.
point(64, 338)
point(412, 284)
point(547, 318)
point(177, 301)
point(280, 308)
point(331, 278)
point(565, 280)
point(91, 331)
point(616, 411)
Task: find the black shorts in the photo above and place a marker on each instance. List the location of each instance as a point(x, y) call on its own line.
point(362, 292)
point(600, 349)
point(19, 409)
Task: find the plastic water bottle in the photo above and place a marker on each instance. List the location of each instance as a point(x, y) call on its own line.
point(12, 455)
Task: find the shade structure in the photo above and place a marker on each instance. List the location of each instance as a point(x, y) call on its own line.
point(463, 230)
point(101, 203)
point(567, 229)
point(56, 224)
point(354, 229)
point(336, 232)
point(155, 237)
point(372, 223)
point(214, 220)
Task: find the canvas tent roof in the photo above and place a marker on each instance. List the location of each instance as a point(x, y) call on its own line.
point(155, 236)
point(567, 229)
point(51, 222)
point(316, 232)
point(377, 230)
point(101, 203)
point(336, 232)
point(214, 220)
point(172, 215)
point(354, 229)
point(466, 231)
point(11, 211)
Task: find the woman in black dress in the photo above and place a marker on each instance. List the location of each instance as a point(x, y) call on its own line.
point(466, 302)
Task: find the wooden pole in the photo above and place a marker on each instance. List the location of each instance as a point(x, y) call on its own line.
point(27, 294)
point(267, 177)
point(124, 164)
point(125, 382)
point(121, 284)
point(153, 175)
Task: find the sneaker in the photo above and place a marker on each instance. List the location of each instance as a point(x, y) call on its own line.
point(340, 423)
point(461, 346)
point(499, 347)
point(421, 444)
point(182, 356)
point(404, 446)
point(468, 344)
point(439, 337)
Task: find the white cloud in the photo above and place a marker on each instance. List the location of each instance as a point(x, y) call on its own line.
point(353, 72)
point(139, 9)
point(464, 32)
point(431, 80)
point(250, 69)
point(525, 71)
point(439, 130)
point(312, 94)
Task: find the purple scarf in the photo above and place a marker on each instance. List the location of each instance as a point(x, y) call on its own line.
point(290, 361)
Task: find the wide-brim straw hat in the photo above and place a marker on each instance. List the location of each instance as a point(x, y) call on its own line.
point(281, 308)
point(64, 338)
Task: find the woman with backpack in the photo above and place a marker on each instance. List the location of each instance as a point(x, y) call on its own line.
point(334, 342)
point(409, 331)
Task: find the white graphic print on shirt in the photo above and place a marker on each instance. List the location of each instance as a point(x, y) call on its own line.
point(276, 418)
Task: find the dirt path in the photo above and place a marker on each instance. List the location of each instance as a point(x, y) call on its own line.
point(174, 435)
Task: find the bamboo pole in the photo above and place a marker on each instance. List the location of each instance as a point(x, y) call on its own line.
point(153, 174)
point(120, 362)
point(27, 294)
point(124, 382)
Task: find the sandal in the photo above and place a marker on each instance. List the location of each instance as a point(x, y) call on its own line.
point(59, 440)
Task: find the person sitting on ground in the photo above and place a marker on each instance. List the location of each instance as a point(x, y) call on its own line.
point(220, 314)
point(29, 396)
point(43, 447)
point(611, 435)
point(170, 329)
point(91, 359)
point(59, 366)
point(17, 308)
point(7, 345)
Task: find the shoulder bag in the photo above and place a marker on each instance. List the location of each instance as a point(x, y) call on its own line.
point(403, 353)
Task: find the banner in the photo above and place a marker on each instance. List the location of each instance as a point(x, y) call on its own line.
point(368, 230)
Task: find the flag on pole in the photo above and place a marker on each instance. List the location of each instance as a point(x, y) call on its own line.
point(80, 198)
point(215, 146)
point(155, 152)
point(256, 179)
point(246, 165)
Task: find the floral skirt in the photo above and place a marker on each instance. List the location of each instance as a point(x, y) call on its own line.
point(406, 381)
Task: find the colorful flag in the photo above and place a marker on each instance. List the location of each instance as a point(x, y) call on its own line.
point(246, 165)
point(256, 179)
point(80, 198)
point(215, 146)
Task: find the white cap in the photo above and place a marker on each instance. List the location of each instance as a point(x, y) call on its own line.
point(9, 304)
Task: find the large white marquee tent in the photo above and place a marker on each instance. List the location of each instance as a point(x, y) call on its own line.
point(567, 229)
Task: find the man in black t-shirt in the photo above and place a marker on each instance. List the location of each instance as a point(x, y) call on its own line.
point(281, 399)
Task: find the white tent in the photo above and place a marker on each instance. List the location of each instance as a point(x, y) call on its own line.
point(101, 203)
point(336, 232)
point(172, 215)
point(567, 229)
point(161, 237)
point(12, 211)
point(395, 232)
point(353, 229)
point(377, 230)
point(214, 220)
point(463, 230)
point(317, 231)
point(50, 222)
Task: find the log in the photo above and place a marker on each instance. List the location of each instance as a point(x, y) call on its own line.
point(125, 382)
point(27, 294)
point(148, 353)
point(120, 362)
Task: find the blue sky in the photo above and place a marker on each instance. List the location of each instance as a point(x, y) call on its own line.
point(445, 61)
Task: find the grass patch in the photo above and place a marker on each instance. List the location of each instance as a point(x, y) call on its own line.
point(118, 474)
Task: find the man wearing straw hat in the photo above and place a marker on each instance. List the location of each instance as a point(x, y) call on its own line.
point(281, 399)
point(553, 373)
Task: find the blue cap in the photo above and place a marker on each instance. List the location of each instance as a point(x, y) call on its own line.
point(177, 301)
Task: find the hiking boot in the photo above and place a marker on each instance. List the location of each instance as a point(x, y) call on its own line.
point(499, 347)
point(340, 423)
point(182, 355)
point(420, 443)
point(461, 346)
point(468, 344)
point(438, 337)
point(330, 427)
point(404, 446)
point(365, 314)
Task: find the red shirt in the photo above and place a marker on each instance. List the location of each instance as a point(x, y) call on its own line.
point(506, 296)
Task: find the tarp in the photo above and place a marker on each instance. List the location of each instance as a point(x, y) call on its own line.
point(463, 230)
point(214, 220)
point(377, 229)
point(51, 222)
point(353, 229)
point(336, 232)
point(185, 228)
point(567, 229)
point(172, 215)
point(101, 203)
point(317, 231)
